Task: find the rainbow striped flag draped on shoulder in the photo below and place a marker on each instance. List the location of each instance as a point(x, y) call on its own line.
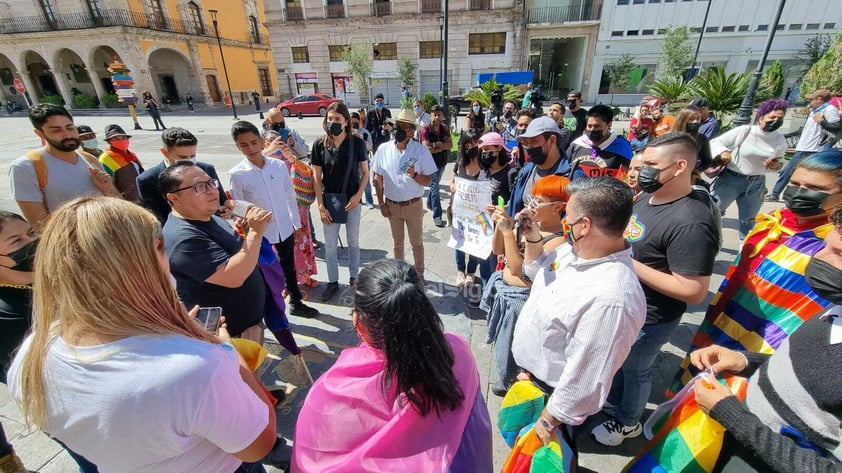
point(764, 296)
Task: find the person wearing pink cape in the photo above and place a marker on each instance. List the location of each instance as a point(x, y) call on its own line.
point(406, 399)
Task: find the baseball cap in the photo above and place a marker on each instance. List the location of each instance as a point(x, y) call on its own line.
point(574, 93)
point(539, 126)
point(85, 129)
point(823, 94)
point(491, 139)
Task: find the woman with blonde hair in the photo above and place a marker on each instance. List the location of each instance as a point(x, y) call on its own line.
point(117, 368)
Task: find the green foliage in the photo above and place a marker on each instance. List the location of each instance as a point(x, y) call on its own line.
point(824, 74)
point(619, 71)
point(676, 53)
point(359, 62)
point(85, 101)
point(407, 102)
point(671, 89)
point(771, 84)
point(111, 100)
point(725, 92)
point(407, 67)
point(815, 47)
point(53, 99)
point(483, 93)
point(428, 100)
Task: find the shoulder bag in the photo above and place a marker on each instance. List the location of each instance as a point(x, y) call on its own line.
point(335, 202)
point(718, 166)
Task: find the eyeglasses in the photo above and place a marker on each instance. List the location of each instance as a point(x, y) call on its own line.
point(532, 203)
point(200, 187)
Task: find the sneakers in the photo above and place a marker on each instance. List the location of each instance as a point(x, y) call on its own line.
point(499, 389)
point(302, 310)
point(352, 282)
point(460, 279)
point(771, 198)
point(440, 223)
point(612, 433)
point(330, 290)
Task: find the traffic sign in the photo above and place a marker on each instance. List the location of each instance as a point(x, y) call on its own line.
point(19, 86)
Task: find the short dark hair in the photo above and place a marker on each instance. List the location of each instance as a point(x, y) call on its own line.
point(606, 201)
point(511, 102)
point(355, 115)
point(556, 102)
point(527, 112)
point(379, 96)
point(242, 127)
point(685, 142)
point(176, 136)
point(170, 179)
point(700, 102)
point(603, 112)
point(40, 113)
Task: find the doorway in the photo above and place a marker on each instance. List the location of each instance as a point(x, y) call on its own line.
point(169, 92)
point(213, 88)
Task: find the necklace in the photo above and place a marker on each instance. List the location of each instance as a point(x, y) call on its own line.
point(17, 286)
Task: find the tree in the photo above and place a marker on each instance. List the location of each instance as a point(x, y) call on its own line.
point(407, 68)
point(824, 74)
point(428, 100)
point(676, 53)
point(814, 48)
point(670, 89)
point(483, 93)
point(771, 83)
point(359, 62)
point(724, 91)
point(619, 71)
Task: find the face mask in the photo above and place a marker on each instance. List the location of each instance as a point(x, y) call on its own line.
point(773, 125)
point(24, 257)
point(472, 153)
point(418, 110)
point(379, 105)
point(121, 145)
point(649, 178)
point(400, 135)
point(508, 114)
point(487, 159)
point(692, 127)
point(568, 230)
point(336, 128)
point(805, 202)
point(571, 104)
point(278, 126)
point(90, 144)
point(825, 280)
point(595, 135)
point(537, 155)
point(475, 109)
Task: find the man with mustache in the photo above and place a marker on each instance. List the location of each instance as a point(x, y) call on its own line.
point(45, 178)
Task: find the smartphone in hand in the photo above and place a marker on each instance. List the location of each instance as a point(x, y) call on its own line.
point(208, 318)
point(241, 207)
point(284, 134)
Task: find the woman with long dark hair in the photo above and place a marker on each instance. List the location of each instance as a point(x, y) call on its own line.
point(475, 118)
point(689, 120)
point(407, 399)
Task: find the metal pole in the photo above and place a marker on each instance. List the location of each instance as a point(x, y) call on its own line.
point(224, 68)
point(744, 112)
point(444, 85)
point(701, 35)
point(441, 57)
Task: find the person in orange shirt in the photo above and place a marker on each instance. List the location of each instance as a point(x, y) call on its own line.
point(663, 122)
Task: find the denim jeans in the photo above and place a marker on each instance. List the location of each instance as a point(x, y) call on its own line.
point(786, 172)
point(633, 382)
point(469, 266)
point(638, 145)
point(433, 199)
point(352, 234)
point(255, 467)
point(746, 190)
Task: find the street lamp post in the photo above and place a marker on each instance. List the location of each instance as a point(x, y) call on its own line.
point(695, 71)
point(441, 52)
point(744, 112)
point(444, 84)
point(222, 55)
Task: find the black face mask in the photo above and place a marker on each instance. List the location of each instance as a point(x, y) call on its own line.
point(487, 159)
point(400, 135)
point(336, 128)
point(692, 127)
point(571, 104)
point(278, 126)
point(355, 126)
point(595, 135)
point(471, 153)
point(508, 114)
point(773, 125)
point(537, 155)
point(648, 179)
point(825, 280)
point(24, 257)
point(805, 202)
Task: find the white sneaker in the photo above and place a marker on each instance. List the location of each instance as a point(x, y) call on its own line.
point(460, 279)
point(612, 432)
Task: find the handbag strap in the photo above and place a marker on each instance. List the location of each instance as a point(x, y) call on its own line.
point(741, 140)
point(352, 161)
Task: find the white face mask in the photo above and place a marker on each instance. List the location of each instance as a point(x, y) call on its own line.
point(90, 144)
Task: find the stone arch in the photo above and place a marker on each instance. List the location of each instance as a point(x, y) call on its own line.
point(100, 58)
point(74, 71)
point(173, 74)
point(40, 73)
point(8, 73)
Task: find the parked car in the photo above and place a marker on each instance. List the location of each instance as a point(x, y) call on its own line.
point(307, 104)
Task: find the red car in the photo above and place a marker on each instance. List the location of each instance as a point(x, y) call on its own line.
point(307, 104)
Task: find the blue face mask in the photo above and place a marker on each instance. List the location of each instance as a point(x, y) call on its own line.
point(475, 109)
point(418, 110)
point(379, 105)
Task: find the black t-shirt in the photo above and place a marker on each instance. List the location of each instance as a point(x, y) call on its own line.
point(581, 116)
point(335, 165)
point(197, 250)
point(15, 320)
point(502, 181)
point(438, 135)
point(678, 237)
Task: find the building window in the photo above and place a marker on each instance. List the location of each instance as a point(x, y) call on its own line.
point(385, 51)
point(696, 30)
point(813, 26)
point(639, 2)
point(829, 26)
point(429, 49)
point(743, 28)
point(615, 34)
point(662, 31)
point(632, 32)
point(762, 28)
point(780, 27)
point(196, 18)
point(622, 2)
point(712, 29)
point(265, 82)
point(254, 29)
point(49, 10)
point(795, 26)
point(728, 29)
point(300, 54)
point(654, 1)
point(95, 7)
point(335, 51)
point(647, 32)
point(158, 18)
point(486, 43)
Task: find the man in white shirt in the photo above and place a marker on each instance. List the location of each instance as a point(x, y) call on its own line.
point(401, 169)
point(819, 134)
point(586, 305)
point(265, 182)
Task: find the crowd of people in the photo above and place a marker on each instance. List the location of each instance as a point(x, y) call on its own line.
point(599, 244)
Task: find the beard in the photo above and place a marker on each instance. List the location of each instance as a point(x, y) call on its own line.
point(67, 145)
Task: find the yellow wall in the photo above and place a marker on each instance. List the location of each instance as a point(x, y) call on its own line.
point(137, 6)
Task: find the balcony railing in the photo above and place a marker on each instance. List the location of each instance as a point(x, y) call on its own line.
point(82, 21)
point(334, 11)
point(430, 6)
point(294, 14)
point(480, 5)
point(581, 11)
point(381, 9)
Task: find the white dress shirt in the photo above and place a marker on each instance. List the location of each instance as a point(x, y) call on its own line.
point(577, 327)
point(399, 186)
point(269, 188)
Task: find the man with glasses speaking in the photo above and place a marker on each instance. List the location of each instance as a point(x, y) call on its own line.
point(211, 264)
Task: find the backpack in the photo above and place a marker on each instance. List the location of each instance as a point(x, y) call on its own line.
point(41, 168)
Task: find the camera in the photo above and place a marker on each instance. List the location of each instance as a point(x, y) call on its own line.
point(536, 100)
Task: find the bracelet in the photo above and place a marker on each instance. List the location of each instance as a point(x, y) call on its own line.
point(530, 241)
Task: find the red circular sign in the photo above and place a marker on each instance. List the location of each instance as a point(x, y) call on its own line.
point(19, 85)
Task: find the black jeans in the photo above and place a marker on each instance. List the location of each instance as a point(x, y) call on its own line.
point(286, 253)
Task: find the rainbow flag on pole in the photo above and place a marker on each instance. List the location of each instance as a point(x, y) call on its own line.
point(757, 308)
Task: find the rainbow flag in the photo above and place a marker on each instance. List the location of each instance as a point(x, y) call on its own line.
point(114, 160)
point(755, 310)
point(530, 455)
point(683, 438)
point(520, 408)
